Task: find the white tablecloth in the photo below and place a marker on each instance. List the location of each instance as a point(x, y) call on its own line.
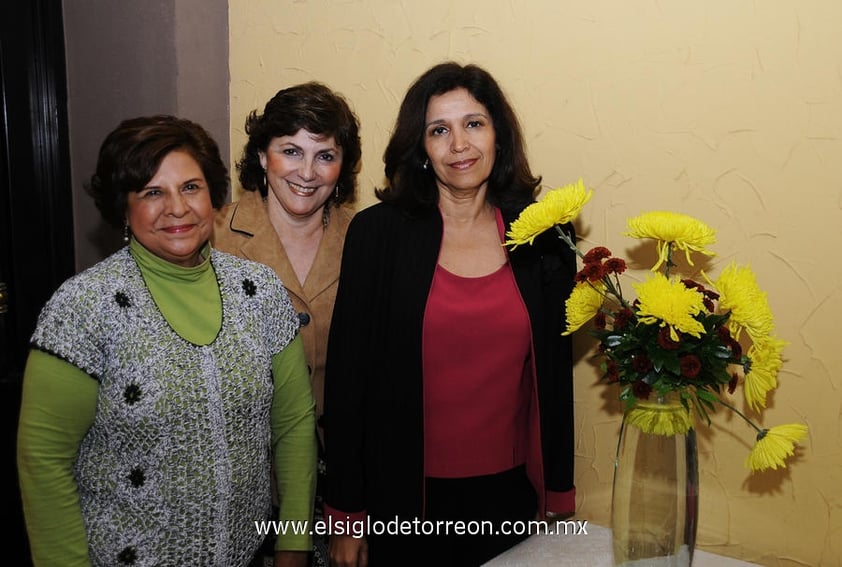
point(580, 550)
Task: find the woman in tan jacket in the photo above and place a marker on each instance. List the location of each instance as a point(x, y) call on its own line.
point(298, 171)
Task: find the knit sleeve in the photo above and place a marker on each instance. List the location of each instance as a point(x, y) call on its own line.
point(278, 318)
point(294, 444)
point(71, 321)
point(57, 409)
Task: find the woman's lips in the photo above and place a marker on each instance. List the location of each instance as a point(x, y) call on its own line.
point(179, 229)
point(302, 190)
point(463, 164)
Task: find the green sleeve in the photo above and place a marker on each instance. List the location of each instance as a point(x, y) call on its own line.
point(57, 409)
point(294, 443)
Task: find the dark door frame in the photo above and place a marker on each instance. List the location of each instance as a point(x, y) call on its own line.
point(36, 217)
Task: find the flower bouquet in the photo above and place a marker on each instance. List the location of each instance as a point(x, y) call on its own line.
point(696, 341)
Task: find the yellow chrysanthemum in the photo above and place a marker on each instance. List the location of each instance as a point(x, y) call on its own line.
point(740, 294)
point(583, 304)
point(774, 446)
point(660, 419)
point(558, 206)
point(682, 231)
point(669, 303)
point(762, 376)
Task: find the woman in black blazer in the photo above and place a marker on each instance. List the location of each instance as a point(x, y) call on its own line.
point(449, 386)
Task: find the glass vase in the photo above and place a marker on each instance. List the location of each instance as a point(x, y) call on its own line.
point(654, 506)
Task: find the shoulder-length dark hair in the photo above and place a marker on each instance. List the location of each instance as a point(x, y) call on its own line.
point(313, 107)
point(410, 186)
point(132, 153)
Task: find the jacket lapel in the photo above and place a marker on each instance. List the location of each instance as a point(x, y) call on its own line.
point(264, 246)
point(325, 269)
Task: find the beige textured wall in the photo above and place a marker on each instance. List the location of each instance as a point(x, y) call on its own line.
point(152, 57)
point(728, 110)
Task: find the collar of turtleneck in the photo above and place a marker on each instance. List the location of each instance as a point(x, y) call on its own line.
point(152, 264)
point(188, 298)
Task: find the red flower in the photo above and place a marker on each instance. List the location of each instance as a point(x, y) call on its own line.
point(622, 318)
point(690, 365)
point(641, 363)
point(736, 349)
point(728, 341)
point(690, 284)
point(711, 294)
point(665, 341)
point(596, 255)
point(641, 390)
point(599, 320)
point(615, 266)
point(593, 271)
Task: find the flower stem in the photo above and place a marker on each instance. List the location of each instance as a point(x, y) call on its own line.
point(668, 263)
point(618, 291)
point(566, 238)
point(741, 414)
point(609, 285)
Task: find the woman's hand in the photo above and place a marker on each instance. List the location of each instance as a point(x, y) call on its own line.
point(291, 558)
point(348, 551)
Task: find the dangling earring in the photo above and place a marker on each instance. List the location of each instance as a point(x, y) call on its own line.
point(126, 232)
point(265, 181)
point(426, 164)
point(336, 192)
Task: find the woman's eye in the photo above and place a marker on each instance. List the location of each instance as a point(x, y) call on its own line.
point(149, 193)
point(438, 130)
point(327, 157)
point(289, 151)
point(191, 187)
point(474, 124)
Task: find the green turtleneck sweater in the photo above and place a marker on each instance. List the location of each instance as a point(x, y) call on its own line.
point(59, 405)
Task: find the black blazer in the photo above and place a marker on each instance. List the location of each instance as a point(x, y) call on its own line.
point(374, 392)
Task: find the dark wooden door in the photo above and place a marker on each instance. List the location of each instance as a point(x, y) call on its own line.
point(36, 223)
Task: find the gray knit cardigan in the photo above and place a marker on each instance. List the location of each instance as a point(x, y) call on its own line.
point(176, 466)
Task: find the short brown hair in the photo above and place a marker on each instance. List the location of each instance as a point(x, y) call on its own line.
point(132, 153)
point(313, 107)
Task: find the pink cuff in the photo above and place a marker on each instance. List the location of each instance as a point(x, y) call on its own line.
point(334, 516)
point(561, 503)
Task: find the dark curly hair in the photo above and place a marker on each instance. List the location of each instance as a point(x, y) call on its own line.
point(313, 107)
point(132, 153)
point(511, 183)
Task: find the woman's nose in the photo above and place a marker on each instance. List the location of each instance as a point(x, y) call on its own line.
point(308, 170)
point(176, 204)
point(458, 141)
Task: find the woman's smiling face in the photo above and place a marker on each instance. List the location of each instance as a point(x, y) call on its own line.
point(459, 139)
point(302, 171)
point(172, 215)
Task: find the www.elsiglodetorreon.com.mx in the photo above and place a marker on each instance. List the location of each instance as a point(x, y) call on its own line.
point(416, 526)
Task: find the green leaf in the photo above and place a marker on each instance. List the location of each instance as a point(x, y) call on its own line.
point(707, 396)
point(673, 365)
point(722, 352)
point(613, 341)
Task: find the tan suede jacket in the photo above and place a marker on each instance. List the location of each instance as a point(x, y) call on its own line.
point(243, 228)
